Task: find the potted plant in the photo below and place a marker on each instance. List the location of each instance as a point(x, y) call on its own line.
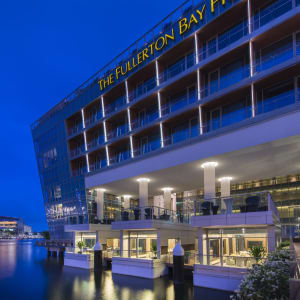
point(80, 245)
point(154, 250)
point(258, 252)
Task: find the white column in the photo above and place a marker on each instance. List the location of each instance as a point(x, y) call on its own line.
point(158, 243)
point(225, 190)
point(271, 239)
point(100, 203)
point(167, 198)
point(143, 195)
point(126, 203)
point(209, 180)
point(249, 11)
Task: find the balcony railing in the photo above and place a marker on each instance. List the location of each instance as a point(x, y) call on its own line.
point(143, 88)
point(95, 142)
point(178, 103)
point(77, 151)
point(133, 253)
point(118, 131)
point(182, 135)
point(119, 157)
point(177, 68)
point(277, 56)
point(94, 118)
point(98, 165)
point(153, 213)
point(267, 14)
point(235, 204)
point(148, 147)
point(148, 118)
point(115, 105)
point(222, 82)
point(75, 129)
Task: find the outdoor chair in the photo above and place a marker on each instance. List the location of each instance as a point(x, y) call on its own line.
point(205, 208)
point(125, 215)
point(252, 204)
point(136, 214)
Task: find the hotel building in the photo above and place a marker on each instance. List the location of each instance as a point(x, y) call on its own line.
point(192, 133)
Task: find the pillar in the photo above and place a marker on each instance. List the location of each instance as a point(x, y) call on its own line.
point(209, 180)
point(200, 245)
point(126, 203)
point(225, 191)
point(168, 198)
point(100, 203)
point(271, 238)
point(158, 243)
point(143, 195)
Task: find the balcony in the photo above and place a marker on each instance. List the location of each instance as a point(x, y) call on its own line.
point(96, 142)
point(143, 88)
point(153, 213)
point(269, 12)
point(252, 209)
point(149, 146)
point(79, 171)
point(94, 118)
point(75, 129)
point(77, 151)
point(119, 157)
point(145, 119)
point(180, 66)
point(179, 101)
point(118, 131)
point(115, 105)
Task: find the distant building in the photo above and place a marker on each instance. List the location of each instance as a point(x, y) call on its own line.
point(27, 229)
point(11, 226)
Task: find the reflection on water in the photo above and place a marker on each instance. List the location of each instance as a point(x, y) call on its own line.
point(27, 273)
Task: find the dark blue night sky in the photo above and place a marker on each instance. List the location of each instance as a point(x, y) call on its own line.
point(47, 49)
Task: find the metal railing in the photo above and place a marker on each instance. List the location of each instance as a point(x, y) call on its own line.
point(148, 118)
point(271, 12)
point(235, 204)
point(153, 213)
point(118, 131)
point(143, 88)
point(149, 147)
point(75, 129)
point(115, 105)
point(95, 142)
point(77, 151)
point(98, 165)
point(94, 118)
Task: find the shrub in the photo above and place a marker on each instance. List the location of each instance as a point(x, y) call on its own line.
point(284, 244)
point(267, 281)
point(258, 252)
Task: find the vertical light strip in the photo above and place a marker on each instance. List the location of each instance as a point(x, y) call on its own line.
point(87, 162)
point(251, 56)
point(157, 72)
point(161, 135)
point(131, 146)
point(83, 120)
point(200, 119)
point(249, 11)
point(107, 155)
point(253, 100)
point(196, 49)
point(199, 85)
point(159, 104)
point(127, 91)
point(102, 104)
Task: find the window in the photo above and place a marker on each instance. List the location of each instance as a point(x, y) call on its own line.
point(212, 46)
point(276, 96)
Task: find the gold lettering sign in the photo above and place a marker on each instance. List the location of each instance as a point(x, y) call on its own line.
point(184, 25)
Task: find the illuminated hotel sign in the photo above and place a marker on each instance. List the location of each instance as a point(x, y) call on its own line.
point(184, 25)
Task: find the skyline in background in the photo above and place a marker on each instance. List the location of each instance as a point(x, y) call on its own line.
point(48, 49)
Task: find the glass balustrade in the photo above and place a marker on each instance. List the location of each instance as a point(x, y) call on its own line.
point(143, 88)
point(96, 142)
point(77, 151)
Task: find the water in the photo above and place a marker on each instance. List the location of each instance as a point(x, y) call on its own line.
point(26, 273)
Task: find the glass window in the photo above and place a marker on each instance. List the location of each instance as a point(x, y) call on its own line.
point(276, 96)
